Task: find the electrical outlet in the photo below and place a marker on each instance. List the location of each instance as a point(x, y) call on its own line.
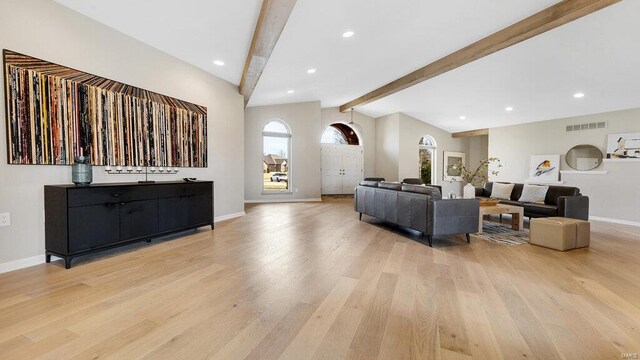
point(5, 219)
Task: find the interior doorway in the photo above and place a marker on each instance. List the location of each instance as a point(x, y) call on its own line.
point(342, 159)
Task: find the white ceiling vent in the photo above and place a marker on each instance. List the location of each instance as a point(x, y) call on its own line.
point(587, 126)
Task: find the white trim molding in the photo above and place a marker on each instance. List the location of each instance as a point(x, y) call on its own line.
point(621, 160)
point(21, 263)
point(615, 221)
point(228, 216)
point(589, 172)
point(282, 201)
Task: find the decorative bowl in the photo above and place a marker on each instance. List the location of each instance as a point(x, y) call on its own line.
point(489, 202)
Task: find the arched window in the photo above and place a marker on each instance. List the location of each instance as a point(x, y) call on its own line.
point(276, 157)
point(427, 159)
point(339, 133)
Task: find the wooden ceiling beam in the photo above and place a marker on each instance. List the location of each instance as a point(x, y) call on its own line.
point(470, 133)
point(271, 21)
point(543, 21)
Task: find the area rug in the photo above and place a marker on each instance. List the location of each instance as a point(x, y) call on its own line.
point(503, 234)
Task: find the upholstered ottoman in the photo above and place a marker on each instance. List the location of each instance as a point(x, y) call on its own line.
point(559, 233)
point(583, 231)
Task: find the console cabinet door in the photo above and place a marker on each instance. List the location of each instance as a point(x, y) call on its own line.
point(93, 226)
point(200, 209)
point(138, 219)
point(173, 213)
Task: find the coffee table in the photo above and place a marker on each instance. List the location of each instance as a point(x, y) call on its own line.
point(517, 215)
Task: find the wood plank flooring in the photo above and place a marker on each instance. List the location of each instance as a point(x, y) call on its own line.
point(310, 281)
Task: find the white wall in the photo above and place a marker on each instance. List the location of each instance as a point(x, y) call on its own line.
point(306, 130)
point(387, 146)
point(411, 131)
point(366, 128)
point(47, 30)
point(615, 195)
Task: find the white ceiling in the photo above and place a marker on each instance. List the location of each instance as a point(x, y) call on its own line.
point(597, 55)
point(194, 31)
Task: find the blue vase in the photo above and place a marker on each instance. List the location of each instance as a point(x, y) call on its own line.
point(81, 171)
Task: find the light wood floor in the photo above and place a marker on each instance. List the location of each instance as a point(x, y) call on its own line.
point(310, 281)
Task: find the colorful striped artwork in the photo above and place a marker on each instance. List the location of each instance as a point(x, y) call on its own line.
point(55, 113)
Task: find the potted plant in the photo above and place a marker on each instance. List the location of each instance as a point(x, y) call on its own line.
point(477, 177)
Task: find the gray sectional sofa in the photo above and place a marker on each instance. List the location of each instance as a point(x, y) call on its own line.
point(417, 207)
point(563, 201)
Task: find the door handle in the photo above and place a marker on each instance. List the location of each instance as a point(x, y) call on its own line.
point(115, 195)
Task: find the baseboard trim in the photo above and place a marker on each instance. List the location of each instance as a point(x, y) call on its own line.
point(21, 263)
point(282, 200)
point(228, 216)
point(615, 221)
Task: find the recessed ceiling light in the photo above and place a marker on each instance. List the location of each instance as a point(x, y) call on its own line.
point(463, 117)
point(578, 95)
point(290, 92)
point(509, 108)
point(347, 34)
point(218, 62)
point(311, 71)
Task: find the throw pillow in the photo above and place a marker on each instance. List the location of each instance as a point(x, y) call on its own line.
point(534, 193)
point(502, 191)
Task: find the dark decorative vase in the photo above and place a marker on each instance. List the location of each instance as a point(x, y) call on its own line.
point(82, 172)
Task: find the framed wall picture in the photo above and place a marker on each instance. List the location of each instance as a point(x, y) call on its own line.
point(544, 168)
point(55, 113)
point(452, 158)
point(623, 146)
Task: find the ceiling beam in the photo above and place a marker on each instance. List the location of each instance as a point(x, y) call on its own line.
point(543, 21)
point(470, 133)
point(271, 21)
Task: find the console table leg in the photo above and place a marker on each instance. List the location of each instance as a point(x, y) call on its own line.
point(468, 239)
point(360, 216)
point(430, 239)
point(67, 262)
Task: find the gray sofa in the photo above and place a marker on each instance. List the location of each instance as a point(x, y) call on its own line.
point(563, 201)
point(417, 207)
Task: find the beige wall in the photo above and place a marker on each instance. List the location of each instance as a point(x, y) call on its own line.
point(411, 131)
point(478, 150)
point(306, 130)
point(47, 30)
point(615, 195)
point(387, 146)
point(366, 128)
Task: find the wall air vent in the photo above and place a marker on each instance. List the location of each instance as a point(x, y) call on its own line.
point(587, 126)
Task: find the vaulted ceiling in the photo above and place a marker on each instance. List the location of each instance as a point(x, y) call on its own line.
point(596, 55)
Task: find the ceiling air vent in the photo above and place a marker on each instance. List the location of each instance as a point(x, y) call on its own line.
point(587, 126)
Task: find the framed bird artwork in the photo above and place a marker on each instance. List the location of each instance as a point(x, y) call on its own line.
point(544, 168)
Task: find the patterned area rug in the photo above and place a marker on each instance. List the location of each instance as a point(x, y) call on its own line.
point(503, 234)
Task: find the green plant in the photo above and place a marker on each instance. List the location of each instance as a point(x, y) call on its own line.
point(425, 166)
point(480, 175)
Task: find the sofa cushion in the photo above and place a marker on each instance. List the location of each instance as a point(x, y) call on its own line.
point(369, 183)
point(556, 191)
point(414, 181)
point(390, 185)
point(423, 189)
point(534, 193)
point(501, 191)
point(510, 202)
point(540, 209)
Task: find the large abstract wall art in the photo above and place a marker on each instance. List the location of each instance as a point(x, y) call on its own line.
point(55, 113)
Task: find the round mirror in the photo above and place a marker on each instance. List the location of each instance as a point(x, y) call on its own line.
point(584, 157)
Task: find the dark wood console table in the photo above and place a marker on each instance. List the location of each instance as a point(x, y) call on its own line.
point(80, 220)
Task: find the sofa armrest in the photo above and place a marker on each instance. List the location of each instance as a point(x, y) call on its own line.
point(452, 216)
point(576, 207)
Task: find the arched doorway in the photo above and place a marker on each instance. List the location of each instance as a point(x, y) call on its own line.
point(342, 159)
point(427, 159)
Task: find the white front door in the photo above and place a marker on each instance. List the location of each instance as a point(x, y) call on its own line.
point(342, 168)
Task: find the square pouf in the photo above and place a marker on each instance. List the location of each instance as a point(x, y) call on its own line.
point(583, 231)
point(553, 233)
